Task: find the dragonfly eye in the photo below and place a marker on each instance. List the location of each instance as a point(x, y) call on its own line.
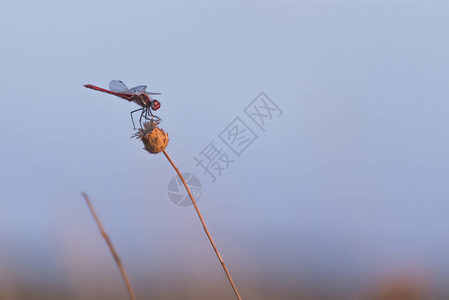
point(155, 105)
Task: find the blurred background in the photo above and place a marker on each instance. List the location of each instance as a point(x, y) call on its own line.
point(343, 196)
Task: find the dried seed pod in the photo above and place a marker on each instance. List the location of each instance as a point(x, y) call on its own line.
point(154, 139)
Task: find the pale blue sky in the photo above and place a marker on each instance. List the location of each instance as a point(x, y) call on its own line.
point(353, 176)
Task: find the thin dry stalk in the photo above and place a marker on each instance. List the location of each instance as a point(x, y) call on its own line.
point(111, 248)
point(204, 225)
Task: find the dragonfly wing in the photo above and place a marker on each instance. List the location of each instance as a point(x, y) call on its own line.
point(118, 86)
point(148, 93)
point(140, 89)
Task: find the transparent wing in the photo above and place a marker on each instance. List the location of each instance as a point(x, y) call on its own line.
point(149, 93)
point(118, 86)
point(138, 89)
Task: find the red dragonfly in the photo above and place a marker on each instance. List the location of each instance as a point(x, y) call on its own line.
point(136, 94)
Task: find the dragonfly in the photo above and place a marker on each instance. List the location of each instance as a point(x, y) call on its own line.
point(137, 94)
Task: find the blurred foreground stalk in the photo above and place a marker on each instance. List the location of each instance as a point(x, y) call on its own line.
point(111, 248)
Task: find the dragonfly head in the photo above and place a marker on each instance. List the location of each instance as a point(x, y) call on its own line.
point(155, 105)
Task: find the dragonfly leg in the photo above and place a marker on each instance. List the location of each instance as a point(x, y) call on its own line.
point(132, 119)
point(144, 111)
point(155, 117)
point(152, 117)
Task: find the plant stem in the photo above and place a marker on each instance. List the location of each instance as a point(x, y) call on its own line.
point(111, 248)
point(204, 225)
